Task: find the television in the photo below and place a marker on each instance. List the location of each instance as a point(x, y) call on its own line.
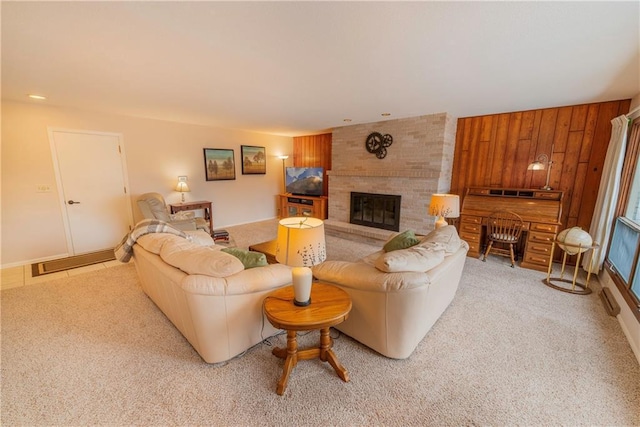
point(304, 181)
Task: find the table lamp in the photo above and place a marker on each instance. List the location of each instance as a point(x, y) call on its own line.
point(444, 206)
point(182, 186)
point(301, 245)
point(539, 164)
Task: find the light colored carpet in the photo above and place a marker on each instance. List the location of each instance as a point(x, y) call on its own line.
point(94, 350)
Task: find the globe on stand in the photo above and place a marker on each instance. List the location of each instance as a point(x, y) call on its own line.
point(576, 240)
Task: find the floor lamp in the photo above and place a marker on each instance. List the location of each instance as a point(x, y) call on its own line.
point(284, 174)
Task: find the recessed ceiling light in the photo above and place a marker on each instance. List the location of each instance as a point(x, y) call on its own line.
point(40, 97)
point(386, 114)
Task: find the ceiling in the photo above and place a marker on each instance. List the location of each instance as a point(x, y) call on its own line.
point(301, 68)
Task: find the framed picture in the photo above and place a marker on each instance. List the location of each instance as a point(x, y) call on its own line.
point(254, 160)
point(219, 164)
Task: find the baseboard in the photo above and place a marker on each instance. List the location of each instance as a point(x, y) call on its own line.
point(35, 260)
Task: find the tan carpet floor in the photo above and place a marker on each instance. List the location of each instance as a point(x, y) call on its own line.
point(94, 350)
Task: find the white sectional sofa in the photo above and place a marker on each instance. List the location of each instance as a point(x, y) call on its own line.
point(209, 295)
point(397, 296)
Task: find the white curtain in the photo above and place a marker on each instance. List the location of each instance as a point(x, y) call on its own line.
point(604, 212)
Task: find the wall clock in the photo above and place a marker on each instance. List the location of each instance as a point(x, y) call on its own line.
point(377, 144)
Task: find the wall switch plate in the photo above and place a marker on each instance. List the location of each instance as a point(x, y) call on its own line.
point(43, 188)
point(182, 179)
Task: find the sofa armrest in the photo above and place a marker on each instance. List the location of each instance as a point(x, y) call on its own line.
point(359, 275)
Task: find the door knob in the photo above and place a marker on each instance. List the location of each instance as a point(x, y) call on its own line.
point(71, 202)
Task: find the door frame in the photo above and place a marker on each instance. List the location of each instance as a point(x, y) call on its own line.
point(56, 169)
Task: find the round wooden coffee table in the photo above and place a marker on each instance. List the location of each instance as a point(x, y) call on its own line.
point(329, 306)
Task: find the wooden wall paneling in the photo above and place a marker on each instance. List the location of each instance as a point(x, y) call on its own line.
point(500, 148)
point(461, 150)
point(599, 145)
point(589, 129)
point(578, 117)
point(580, 135)
point(476, 164)
point(313, 151)
point(563, 123)
point(513, 140)
point(492, 151)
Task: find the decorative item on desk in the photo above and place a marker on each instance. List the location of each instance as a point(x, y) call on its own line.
point(301, 245)
point(539, 164)
point(444, 206)
point(182, 186)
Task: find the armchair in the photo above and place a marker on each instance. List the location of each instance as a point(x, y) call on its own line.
point(153, 206)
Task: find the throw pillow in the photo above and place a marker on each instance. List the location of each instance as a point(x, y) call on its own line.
point(249, 259)
point(446, 237)
point(404, 240)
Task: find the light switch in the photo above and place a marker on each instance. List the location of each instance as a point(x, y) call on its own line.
point(44, 189)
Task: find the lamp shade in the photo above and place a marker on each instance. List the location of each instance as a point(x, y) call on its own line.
point(536, 165)
point(182, 187)
point(300, 242)
point(445, 205)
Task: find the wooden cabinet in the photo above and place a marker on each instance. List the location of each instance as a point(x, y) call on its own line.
point(540, 211)
point(293, 205)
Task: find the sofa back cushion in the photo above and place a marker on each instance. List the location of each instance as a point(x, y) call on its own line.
point(204, 260)
point(445, 237)
point(416, 258)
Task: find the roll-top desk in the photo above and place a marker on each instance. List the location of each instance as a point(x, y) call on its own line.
point(540, 210)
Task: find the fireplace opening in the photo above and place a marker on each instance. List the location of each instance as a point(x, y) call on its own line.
point(376, 210)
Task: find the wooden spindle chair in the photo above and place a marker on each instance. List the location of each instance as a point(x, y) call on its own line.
point(503, 228)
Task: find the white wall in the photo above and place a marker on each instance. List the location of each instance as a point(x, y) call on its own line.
point(156, 151)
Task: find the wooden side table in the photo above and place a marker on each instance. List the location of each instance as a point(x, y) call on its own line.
point(329, 306)
point(268, 249)
point(192, 206)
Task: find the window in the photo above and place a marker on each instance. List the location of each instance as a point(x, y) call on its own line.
point(623, 257)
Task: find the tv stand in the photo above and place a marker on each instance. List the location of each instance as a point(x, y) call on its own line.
point(294, 205)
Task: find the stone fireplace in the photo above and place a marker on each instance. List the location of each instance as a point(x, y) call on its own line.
point(418, 164)
point(375, 210)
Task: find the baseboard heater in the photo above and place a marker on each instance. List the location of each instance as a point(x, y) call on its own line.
point(609, 302)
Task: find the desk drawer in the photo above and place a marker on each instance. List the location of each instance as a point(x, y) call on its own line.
point(469, 219)
point(545, 228)
point(470, 227)
point(539, 248)
point(470, 237)
point(541, 260)
point(539, 237)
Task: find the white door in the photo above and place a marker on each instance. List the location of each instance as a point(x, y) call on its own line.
point(91, 176)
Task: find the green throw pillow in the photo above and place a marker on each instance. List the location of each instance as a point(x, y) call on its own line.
point(249, 259)
point(404, 240)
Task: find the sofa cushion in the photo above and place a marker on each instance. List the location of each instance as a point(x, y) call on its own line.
point(158, 209)
point(153, 242)
point(200, 237)
point(403, 240)
point(249, 259)
point(445, 237)
point(205, 260)
point(416, 258)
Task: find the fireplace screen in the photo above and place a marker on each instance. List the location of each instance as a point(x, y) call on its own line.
point(376, 210)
